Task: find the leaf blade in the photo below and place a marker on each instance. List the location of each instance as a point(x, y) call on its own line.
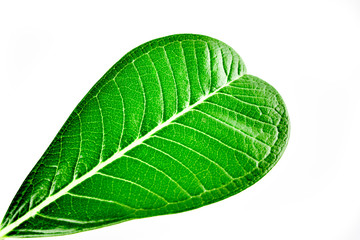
point(145, 130)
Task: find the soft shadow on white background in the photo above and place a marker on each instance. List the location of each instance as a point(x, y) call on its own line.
point(52, 53)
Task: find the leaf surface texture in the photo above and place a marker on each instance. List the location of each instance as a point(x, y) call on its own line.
point(176, 124)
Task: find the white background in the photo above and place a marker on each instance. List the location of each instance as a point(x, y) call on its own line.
point(52, 53)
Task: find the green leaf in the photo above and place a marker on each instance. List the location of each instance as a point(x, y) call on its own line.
point(174, 125)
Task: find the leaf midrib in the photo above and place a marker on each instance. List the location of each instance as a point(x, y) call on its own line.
point(103, 164)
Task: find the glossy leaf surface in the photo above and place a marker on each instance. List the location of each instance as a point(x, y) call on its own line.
point(176, 124)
